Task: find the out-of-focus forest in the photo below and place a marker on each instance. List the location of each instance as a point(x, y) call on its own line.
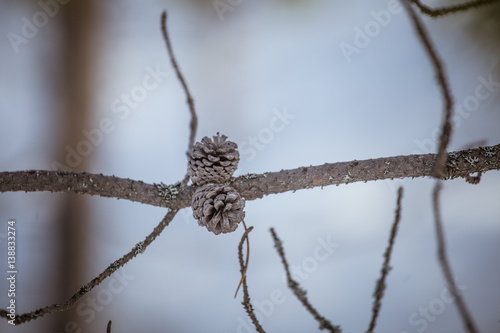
point(88, 86)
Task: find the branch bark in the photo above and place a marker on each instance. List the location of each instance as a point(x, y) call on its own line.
point(253, 186)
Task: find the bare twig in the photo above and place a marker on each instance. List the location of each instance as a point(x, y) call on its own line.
point(190, 101)
point(439, 170)
point(445, 266)
point(108, 328)
point(301, 293)
point(246, 297)
point(380, 286)
point(441, 11)
point(137, 249)
point(244, 273)
point(253, 186)
point(446, 128)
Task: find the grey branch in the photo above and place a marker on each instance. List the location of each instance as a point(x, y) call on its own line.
point(465, 315)
point(437, 63)
point(447, 10)
point(324, 324)
point(193, 126)
point(381, 284)
point(252, 186)
point(136, 250)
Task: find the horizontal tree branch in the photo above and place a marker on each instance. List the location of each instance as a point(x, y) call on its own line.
point(252, 186)
point(80, 183)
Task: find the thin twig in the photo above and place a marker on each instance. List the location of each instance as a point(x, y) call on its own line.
point(442, 11)
point(440, 165)
point(380, 286)
point(138, 248)
point(446, 128)
point(467, 320)
point(108, 328)
point(301, 293)
point(194, 119)
point(246, 297)
point(243, 274)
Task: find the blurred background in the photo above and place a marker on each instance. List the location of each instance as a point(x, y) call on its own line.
point(88, 86)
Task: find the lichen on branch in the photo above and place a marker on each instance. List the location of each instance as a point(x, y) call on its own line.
point(458, 164)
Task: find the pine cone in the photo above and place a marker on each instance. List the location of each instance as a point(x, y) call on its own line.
point(218, 207)
point(213, 161)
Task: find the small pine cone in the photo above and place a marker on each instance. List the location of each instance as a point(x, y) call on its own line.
point(218, 207)
point(213, 161)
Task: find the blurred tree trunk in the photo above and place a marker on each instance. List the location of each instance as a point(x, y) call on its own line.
point(76, 59)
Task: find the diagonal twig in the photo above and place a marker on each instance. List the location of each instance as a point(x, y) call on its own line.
point(108, 327)
point(301, 293)
point(137, 249)
point(446, 128)
point(245, 266)
point(194, 119)
point(246, 297)
point(380, 286)
point(442, 11)
point(467, 320)
point(440, 166)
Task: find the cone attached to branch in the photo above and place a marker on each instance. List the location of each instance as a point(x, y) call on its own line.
point(213, 161)
point(218, 207)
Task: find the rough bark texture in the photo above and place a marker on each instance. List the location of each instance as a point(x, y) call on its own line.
point(253, 186)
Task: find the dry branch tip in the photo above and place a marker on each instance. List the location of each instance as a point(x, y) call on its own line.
point(193, 126)
point(439, 169)
point(380, 286)
point(465, 315)
point(301, 293)
point(453, 9)
point(244, 270)
point(247, 305)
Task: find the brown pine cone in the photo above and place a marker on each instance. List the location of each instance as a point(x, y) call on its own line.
point(213, 161)
point(218, 207)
